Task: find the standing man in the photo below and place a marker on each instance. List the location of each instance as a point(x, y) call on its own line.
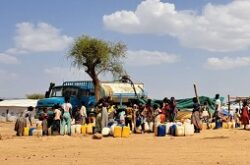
point(217, 102)
point(216, 115)
point(7, 115)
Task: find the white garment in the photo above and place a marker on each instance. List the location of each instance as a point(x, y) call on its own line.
point(26, 113)
point(57, 114)
point(66, 107)
point(205, 113)
point(83, 111)
point(218, 104)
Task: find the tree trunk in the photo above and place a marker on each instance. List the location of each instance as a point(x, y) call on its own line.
point(96, 82)
point(97, 87)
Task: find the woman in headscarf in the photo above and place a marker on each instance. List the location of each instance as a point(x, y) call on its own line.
point(245, 114)
point(173, 110)
point(195, 118)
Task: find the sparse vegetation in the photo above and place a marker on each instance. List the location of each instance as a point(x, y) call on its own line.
point(35, 96)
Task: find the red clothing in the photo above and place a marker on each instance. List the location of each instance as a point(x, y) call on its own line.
point(245, 115)
point(165, 110)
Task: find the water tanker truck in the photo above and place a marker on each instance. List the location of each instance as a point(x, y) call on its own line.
point(82, 92)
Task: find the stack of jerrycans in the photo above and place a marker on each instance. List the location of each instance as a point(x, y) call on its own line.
point(121, 131)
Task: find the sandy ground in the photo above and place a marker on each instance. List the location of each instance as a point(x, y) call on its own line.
point(221, 146)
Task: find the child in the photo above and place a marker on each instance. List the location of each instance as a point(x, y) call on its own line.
point(237, 118)
point(206, 114)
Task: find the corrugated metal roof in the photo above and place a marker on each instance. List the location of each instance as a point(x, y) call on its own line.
point(18, 103)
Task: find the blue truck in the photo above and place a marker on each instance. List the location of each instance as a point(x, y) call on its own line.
point(82, 92)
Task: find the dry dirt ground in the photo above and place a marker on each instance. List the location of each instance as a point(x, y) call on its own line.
point(220, 146)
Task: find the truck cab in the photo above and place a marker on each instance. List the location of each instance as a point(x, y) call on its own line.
point(80, 92)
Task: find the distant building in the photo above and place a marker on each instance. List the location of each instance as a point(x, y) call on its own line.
point(15, 107)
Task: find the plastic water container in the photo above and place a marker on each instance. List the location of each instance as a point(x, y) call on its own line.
point(39, 125)
point(146, 127)
point(117, 131)
point(138, 122)
point(180, 131)
point(90, 128)
point(233, 124)
point(161, 130)
point(125, 132)
point(218, 124)
point(224, 125)
point(211, 125)
point(168, 125)
point(230, 125)
point(112, 129)
point(37, 132)
point(73, 130)
point(26, 131)
point(172, 129)
point(188, 129)
point(105, 131)
point(204, 126)
point(31, 130)
point(84, 129)
point(78, 129)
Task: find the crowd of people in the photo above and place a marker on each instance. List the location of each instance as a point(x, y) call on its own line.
point(140, 118)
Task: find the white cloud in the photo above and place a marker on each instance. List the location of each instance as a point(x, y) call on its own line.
point(226, 63)
point(39, 38)
point(145, 58)
point(32, 38)
point(218, 28)
point(7, 59)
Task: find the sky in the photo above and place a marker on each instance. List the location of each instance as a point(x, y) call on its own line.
point(172, 44)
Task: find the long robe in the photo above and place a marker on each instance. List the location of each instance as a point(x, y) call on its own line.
point(195, 119)
point(245, 116)
point(19, 126)
point(104, 119)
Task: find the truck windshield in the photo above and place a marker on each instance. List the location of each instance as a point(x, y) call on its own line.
point(59, 91)
point(56, 92)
